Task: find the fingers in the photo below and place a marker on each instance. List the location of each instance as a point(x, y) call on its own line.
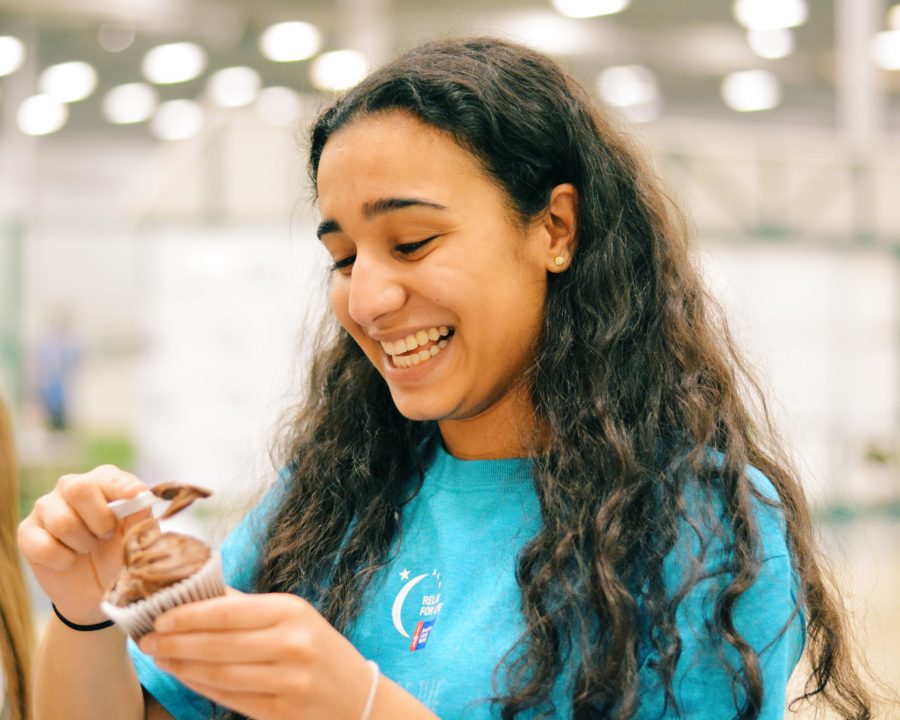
point(234, 611)
point(73, 518)
point(88, 494)
point(262, 655)
point(39, 547)
point(252, 646)
point(65, 525)
point(238, 677)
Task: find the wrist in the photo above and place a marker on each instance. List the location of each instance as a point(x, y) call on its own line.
point(393, 701)
point(375, 673)
point(90, 625)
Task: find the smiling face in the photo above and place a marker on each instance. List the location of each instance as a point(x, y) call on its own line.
point(434, 278)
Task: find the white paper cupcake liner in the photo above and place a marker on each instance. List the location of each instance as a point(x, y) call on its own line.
point(136, 619)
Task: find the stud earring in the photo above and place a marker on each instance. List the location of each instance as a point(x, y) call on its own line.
point(560, 260)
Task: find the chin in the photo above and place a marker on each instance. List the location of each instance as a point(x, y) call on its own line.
point(422, 410)
point(418, 413)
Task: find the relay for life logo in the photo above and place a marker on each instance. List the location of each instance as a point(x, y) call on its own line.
point(416, 607)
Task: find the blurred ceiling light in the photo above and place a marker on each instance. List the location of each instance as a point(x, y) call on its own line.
point(116, 35)
point(338, 70)
point(589, 8)
point(894, 18)
point(626, 85)
point(131, 103)
point(177, 120)
point(41, 115)
point(290, 41)
point(12, 54)
point(69, 81)
point(711, 49)
point(174, 63)
point(770, 14)
point(233, 87)
point(278, 105)
point(642, 113)
point(771, 44)
point(550, 33)
point(633, 89)
point(751, 91)
point(885, 49)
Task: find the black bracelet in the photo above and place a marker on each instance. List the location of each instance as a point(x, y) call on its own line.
point(81, 628)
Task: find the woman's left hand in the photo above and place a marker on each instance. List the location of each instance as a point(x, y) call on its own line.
point(269, 657)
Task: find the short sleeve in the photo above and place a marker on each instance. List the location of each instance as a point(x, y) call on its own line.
point(767, 616)
point(240, 552)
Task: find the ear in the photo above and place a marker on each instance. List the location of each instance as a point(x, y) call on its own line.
point(560, 227)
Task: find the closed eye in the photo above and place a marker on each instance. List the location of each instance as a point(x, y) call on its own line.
point(410, 248)
point(341, 264)
point(403, 249)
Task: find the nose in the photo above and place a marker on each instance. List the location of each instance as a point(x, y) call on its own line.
point(375, 290)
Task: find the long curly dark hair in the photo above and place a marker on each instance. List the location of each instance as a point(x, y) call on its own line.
point(636, 378)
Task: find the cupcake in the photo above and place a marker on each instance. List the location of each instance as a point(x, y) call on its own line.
point(162, 570)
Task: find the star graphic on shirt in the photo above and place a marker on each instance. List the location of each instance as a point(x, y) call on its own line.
point(404, 575)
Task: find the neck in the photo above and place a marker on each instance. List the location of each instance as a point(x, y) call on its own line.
point(505, 429)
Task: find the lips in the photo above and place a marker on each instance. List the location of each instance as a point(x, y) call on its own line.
point(419, 347)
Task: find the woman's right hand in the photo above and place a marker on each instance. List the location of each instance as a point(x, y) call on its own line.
point(73, 541)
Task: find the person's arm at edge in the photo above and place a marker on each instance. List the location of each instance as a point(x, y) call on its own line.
point(85, 676)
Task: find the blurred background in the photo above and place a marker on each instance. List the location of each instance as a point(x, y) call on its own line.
point(158, 265)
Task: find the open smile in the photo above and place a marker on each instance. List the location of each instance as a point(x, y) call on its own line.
point(418, 347)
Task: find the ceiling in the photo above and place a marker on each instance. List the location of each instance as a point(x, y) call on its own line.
point(689, 45)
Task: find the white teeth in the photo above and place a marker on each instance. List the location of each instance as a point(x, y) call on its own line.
point(401, 346)
point(414, 340)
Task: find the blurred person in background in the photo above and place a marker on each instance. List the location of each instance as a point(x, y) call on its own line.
point(56, 361)
point(526, 481)
point(15, 613)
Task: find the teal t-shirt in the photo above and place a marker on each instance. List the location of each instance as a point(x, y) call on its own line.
point(446, 609)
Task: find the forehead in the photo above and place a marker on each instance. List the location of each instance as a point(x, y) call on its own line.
point(393, 154)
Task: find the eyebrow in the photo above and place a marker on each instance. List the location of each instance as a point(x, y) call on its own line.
point(379, 207)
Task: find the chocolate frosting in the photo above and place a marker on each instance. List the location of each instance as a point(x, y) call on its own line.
point(181, 496)
point(153, 559)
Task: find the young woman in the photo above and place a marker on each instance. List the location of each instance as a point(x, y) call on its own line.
point(15, 613)
point(526, 482)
